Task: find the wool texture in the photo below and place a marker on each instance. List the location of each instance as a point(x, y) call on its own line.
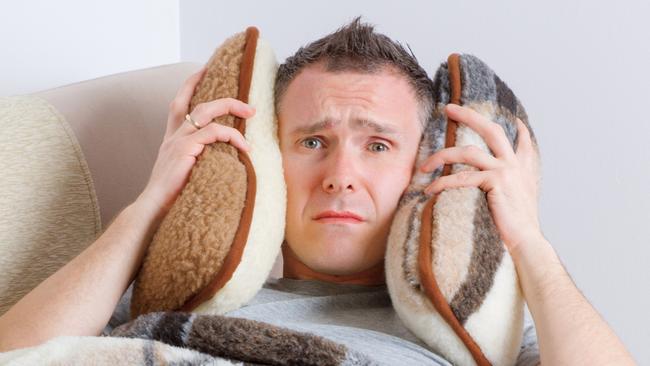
point(476, 285)
point(239, 339)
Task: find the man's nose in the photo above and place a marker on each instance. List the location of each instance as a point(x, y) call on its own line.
point(341, 174)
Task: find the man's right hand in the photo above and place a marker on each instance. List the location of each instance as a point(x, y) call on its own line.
point(183, 142)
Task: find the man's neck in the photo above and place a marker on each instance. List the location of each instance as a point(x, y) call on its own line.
point(294, 268)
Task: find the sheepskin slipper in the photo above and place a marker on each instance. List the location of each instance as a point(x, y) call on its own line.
point(217, 245)
point(450, 277)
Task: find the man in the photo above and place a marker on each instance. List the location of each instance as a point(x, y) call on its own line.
point(351, 108)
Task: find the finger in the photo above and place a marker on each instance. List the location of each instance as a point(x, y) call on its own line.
point(465, 178)
point(493, 134)
point(524, 143)
point(204, 113)
point(470, 154)
point(526, 150)
point(181, 102)
point(214, 132)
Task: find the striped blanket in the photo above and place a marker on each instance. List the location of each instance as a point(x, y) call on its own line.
point(179, 338)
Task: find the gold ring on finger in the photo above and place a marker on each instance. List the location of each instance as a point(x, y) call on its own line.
point(189, 119)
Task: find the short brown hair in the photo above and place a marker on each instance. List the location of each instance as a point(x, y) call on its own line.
point(357, 47)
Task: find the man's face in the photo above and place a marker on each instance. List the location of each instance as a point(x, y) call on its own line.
point(348, 142)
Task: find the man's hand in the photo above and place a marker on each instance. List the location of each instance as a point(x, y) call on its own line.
point(510, 179)
point(183, 142)
point(569, 330)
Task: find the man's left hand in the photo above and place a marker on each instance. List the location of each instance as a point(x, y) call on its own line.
point(510, 179)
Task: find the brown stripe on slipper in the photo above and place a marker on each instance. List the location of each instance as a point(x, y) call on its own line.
point(486, 257)
point(425, 257)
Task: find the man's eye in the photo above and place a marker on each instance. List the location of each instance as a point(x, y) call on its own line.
point(310, 142)
point(382, 147)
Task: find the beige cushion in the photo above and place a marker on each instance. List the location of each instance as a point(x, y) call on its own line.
point(48, 206)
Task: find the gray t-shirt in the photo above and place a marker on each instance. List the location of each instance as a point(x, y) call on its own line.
point(361, 317)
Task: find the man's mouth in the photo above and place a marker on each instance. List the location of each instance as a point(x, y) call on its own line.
point(338, 217)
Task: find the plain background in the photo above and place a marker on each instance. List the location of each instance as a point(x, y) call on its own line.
point(580, 68)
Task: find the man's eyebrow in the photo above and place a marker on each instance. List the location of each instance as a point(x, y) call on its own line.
point(357, 123)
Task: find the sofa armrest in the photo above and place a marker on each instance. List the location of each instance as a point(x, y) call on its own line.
point(119, 121)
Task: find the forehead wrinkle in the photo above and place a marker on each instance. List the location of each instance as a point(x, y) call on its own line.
point(357, 123)
point(326, 123)
point(361, 123)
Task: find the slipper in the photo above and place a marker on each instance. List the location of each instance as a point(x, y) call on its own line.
point(450, 277)
point(216, 246)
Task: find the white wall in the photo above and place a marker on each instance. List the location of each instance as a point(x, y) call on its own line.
point(52, 43)
point(581, 69)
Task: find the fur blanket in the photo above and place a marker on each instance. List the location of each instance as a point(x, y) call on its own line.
point(179, 338)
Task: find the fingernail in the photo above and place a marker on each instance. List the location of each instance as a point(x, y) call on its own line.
point(429, 168)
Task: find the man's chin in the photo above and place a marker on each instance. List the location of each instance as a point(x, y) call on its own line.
point(335, 256)
point(337, 267)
